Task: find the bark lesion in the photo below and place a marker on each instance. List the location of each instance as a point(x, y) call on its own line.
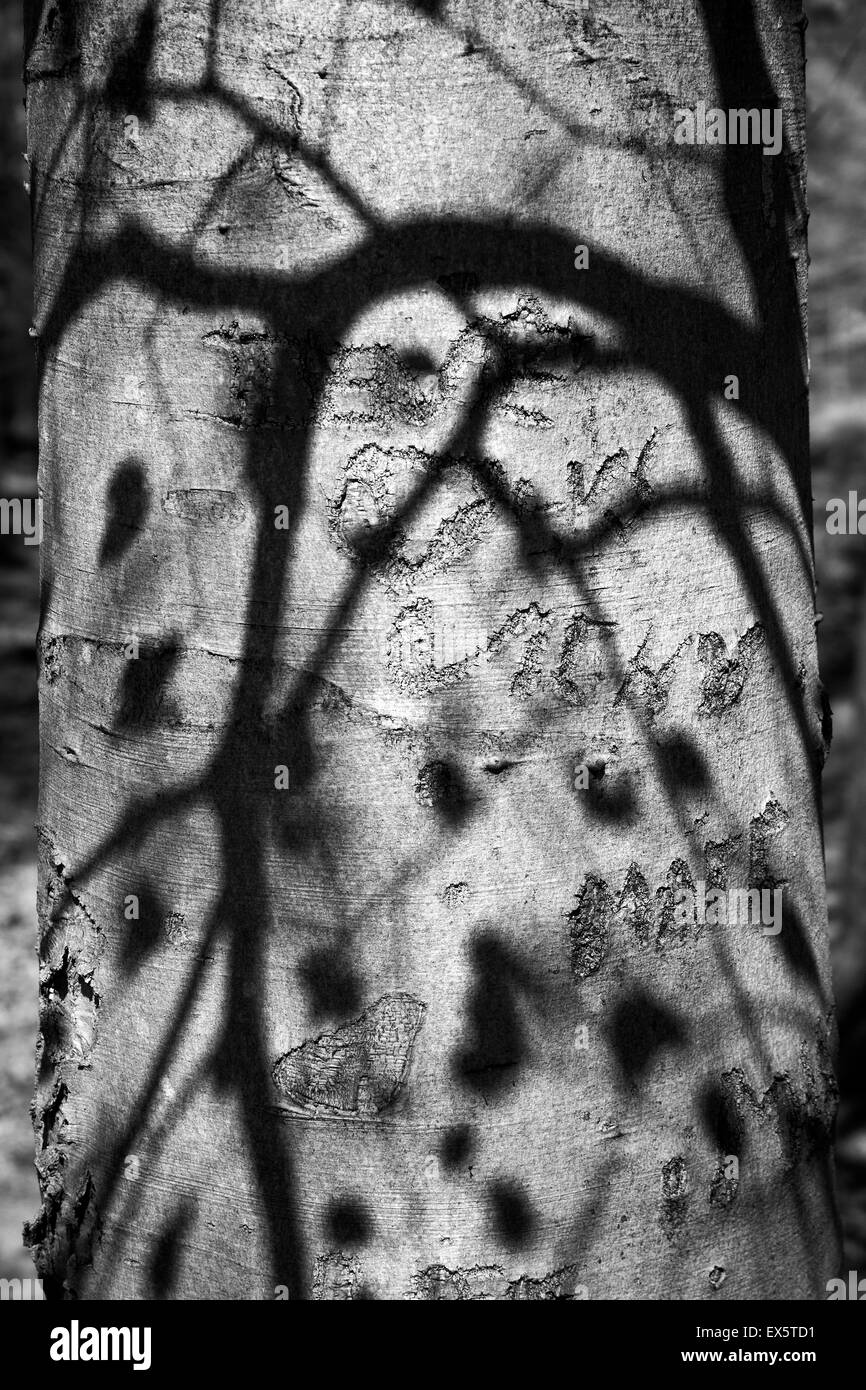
point(799, 1110)
point(358, 1070)
point(336, 1278)
point(63, 1235)
point(726, 673)
point(70, 947)
point(483, 1283)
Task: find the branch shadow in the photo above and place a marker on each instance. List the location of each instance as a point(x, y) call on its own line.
point(683, 337)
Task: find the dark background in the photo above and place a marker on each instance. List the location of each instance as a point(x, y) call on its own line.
point(837, 190)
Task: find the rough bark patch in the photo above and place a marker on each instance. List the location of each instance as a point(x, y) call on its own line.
point(561, 1286)
point(800, 1113)
point(635, 908)
point(63, 1237)
point(206, 505)
point(670, 929)
point(335, 1278)
point(360, 1068)
point(675, 1196)
point(762, 829)
point(69, 952)
point(723, 1188)
point(647, 686)
point(482, 1283)
point(726, 675)
point(176, 928)
point(719, 856)
point(590, 927)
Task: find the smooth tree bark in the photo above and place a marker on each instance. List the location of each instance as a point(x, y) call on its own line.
point(427, 630)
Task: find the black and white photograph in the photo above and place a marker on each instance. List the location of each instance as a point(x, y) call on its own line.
point(433, 667)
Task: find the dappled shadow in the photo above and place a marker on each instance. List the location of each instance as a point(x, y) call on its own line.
point(347, 1223)
point(496, 1043)
point(167, 1251)
point(512, 1214)
point(686, 339)
point(126, 511)
point(639, 1029)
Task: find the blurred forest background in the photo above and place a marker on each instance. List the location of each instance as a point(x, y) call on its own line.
point(837, 192)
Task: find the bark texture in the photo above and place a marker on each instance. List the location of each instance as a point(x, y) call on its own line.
point(421, 615)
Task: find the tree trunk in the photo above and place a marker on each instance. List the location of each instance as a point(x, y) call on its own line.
point(428, 615)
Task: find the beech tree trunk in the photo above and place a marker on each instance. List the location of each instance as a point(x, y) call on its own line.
point(428, 613)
